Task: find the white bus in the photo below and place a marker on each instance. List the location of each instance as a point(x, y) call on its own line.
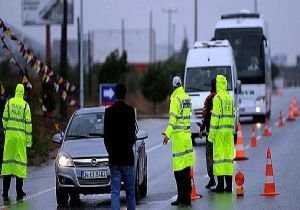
point(248, 35)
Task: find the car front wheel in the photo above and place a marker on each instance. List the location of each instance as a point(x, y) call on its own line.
point(144, 183)
point(62, 197)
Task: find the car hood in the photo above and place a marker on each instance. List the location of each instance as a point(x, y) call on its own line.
point(85, 148)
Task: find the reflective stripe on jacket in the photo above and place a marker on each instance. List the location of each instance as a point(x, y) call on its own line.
point(17, 125)
point(178, 130)
point(222, 129)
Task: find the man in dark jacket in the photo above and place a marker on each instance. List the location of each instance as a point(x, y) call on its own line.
point(119, 138)
point(205, 125)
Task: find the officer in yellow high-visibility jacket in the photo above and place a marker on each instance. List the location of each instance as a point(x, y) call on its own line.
point(222, 135)
point(17, 127)
point(178, 130)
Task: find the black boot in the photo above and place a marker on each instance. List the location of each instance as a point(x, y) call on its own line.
point(228, 180)
point(175, 203)
point(211, 183)
point(220, 185)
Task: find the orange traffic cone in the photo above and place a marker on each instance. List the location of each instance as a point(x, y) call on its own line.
point(239, 147)
point(291, 116)
point(280, 120)
point(269, 180)
point(296, 110)
point(267, 131)
point(281, 91)
point(253, 137)
point(194, 194)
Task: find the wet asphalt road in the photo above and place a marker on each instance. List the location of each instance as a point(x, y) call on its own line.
point(284, 144)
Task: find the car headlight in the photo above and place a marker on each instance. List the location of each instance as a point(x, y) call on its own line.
point(65, 160)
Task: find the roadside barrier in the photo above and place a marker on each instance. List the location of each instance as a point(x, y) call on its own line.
point(239, 147)
point(270, 189)
point(239, 180)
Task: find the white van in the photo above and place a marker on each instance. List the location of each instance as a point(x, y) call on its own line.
point(204, 62)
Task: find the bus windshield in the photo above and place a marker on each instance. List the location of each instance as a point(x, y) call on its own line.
point(247, 44)
point(199, 78)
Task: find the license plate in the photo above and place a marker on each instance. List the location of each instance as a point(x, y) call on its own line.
point(94, 174)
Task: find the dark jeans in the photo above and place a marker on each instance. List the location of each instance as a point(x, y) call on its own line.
point(228, 180)
point(6, 185)
point(125, 173)
point(209, 159)
point(184, 185)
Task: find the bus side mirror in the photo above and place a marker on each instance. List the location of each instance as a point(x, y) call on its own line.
point(238, 88)
point(264, 39)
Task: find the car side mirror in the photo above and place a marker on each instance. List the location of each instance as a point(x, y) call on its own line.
point(57, 138)
point(141, 135)
point(238, 88)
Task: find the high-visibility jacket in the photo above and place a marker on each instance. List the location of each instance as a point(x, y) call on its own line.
point(222, 129)
point(178, 129)
point(17, 127)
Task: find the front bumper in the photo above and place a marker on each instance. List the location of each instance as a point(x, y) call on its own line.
point(195, 126)
point(69, 179)
point(252, 109)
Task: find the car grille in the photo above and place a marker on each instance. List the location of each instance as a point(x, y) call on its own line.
point(198, 113)
point(87, 163)
point(94, 181)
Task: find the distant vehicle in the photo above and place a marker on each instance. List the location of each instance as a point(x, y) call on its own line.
point(81, 165)
point(249, 37)
point(204, 62)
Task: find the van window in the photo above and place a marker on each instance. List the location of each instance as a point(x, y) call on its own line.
point(199, 78)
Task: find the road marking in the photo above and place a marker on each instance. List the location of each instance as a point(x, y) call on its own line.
point(154, 147)
point(30, 196)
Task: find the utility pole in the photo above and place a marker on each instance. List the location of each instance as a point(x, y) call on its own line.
point(255, 6)
point(63, 53)
point(123, 35)
point(173, 39)
point(81, 56)
point(78, 45)
point(196, 21)
point(48, 44)
point(170, 12)
point(90, 65)
point(150, 37)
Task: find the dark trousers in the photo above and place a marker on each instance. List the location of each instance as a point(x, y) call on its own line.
point(209, 159)
point(184, 185)
point(6, 184)
point(228, 180)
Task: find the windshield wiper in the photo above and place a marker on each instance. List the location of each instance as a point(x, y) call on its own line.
point(96, 134)
point(192, 89)
point(77, 136)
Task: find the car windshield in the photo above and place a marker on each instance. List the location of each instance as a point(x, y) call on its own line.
point(199, 78)
point(89, 125)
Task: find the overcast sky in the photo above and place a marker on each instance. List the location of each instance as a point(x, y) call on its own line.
point(283, 17)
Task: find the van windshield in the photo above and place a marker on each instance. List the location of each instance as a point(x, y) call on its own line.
point(199, 78)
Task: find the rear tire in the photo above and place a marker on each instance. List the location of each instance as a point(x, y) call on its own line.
point(193, 139)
